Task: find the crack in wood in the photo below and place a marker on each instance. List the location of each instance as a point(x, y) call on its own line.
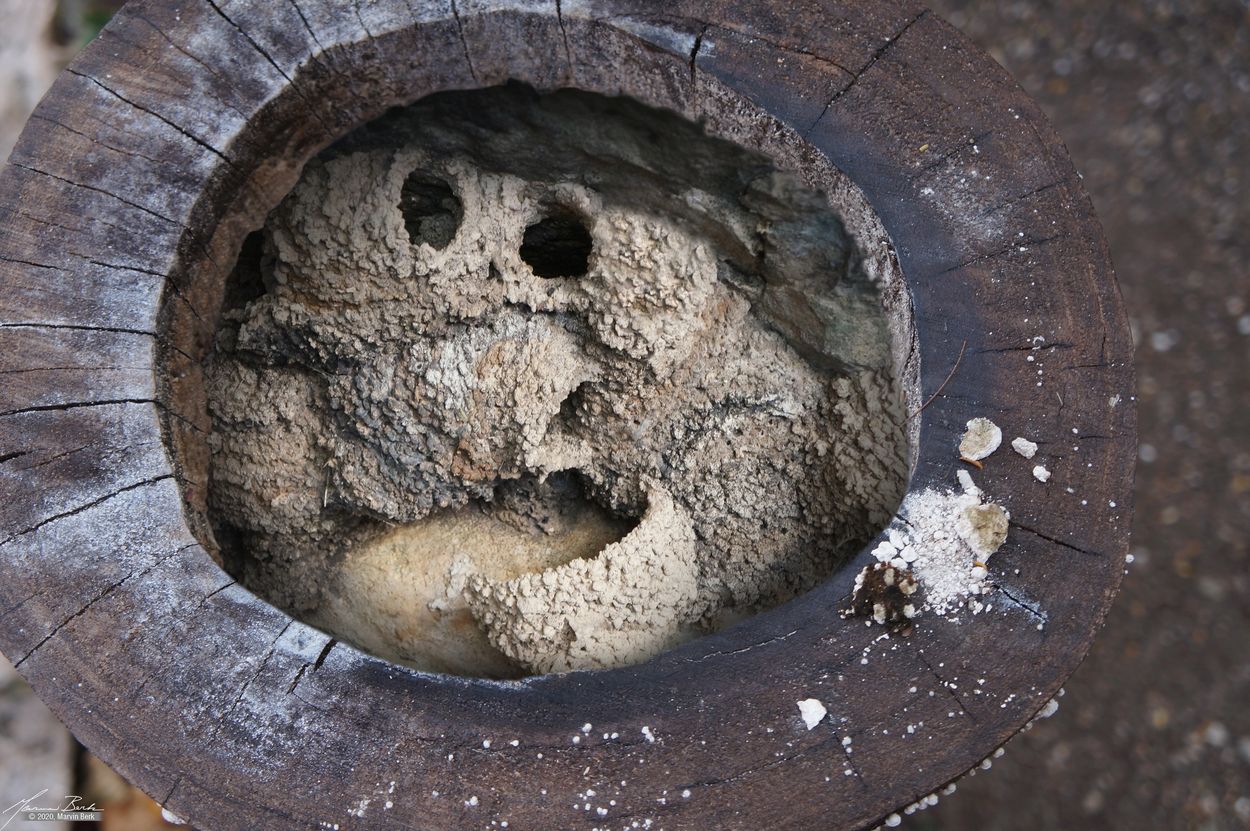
point(1056, 540)
point(855, 76)
point(455, 12)
point(264, 662)
point(361, 20)
point(1034, 192)
point(178, 128)
point(90, 603)
point(25, 370)
point(1025, 348)
point(82, 508)
point(945, 685)
point(109, 194)
point(32, 264)
point(74, 405)
point(52, 459)
point(1036, 611)
point(564, 34)
point(694, 56)
point(298, 90)
point(745, 773)
point(137, 12)
point(683, 20)
point(1013, 247)
point(710, 655)
point(78, 328)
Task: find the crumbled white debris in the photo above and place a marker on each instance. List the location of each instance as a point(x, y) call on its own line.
point(1024, 447)
point(648, 735)
point(812, 712)
point(1041, 474)
point(981, 438)
point(951, 537)
point(172, 818)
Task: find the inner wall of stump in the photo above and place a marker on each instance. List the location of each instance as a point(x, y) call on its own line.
point(516, 383)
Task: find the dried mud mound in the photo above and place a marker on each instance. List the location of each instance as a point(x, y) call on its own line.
point(517, 383)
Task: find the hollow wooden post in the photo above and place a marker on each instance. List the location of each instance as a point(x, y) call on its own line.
point(171, 137)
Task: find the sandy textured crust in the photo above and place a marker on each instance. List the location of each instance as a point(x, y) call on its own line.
point(718, 348)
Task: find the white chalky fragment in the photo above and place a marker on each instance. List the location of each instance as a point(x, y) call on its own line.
point(980, 439)
point(1024, 447)
point(1041, 474)
point(812, 712)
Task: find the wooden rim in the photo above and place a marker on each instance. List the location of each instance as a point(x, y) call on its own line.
point(172, 136)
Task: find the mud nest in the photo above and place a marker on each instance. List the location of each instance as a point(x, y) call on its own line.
point(516, 383)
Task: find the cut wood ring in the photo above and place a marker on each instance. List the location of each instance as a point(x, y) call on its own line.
point(172, 136)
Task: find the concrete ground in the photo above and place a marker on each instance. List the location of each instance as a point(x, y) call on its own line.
point(1153, 99)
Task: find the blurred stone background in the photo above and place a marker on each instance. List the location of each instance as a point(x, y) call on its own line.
point(1153, 99)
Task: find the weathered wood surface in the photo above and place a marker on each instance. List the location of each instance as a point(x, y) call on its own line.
point(170, 138)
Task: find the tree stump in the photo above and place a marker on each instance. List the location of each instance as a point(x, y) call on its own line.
point(172, 136)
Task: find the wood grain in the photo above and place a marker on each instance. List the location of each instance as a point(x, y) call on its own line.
point(171, 137)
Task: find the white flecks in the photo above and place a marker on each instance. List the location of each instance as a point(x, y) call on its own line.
point(812, 712)
point(893, 821)
point(587, 727)
point(361, 807)
point(471, 802)
point(1050, 709)
point(981, 438)
point(685, 794)
point(515, 743)
point(1024, 447)
point(648, 735)
point(172, 818)
point(486, 744)
point(1041, 474)
point(951, 537)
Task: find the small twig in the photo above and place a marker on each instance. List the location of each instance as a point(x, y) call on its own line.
point(949, 376)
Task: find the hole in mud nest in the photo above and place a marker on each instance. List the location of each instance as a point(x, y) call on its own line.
point(432, 212)
point(557, 245)
point(247, 281)
point(458, 467)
